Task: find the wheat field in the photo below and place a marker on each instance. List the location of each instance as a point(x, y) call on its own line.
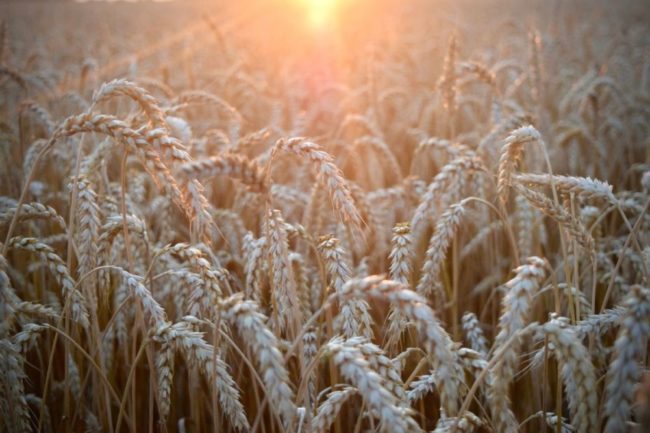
point(278, 216)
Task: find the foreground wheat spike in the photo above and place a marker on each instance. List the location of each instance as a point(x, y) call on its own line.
point(26, 308)
point(204, 295)
point(474, 333)
point(13, 405)
point(516, 120)
point(31, 211)
point(231, 164)
point(584, 187)
point(164, 371)
point(578, 373)
point(152, 309)
point(525, 226)
point(329, 175)
point(250, 324)
point(286, 311)
point(472, 360)
point(200, 221)
point(354, 318)
point(434, 338)
point(437, 252)
point(301, 274)
point(254, 267)
point(400, 271)
point(439, 192)
point(36, 402)
point(598, 324)
point(113, 227)
point(420, 387)
point(354, 367)
point(511, 154)
point(123, 87)
point(134, 141)
point(61, 273)
point(89, 224)
point(367, 216)
point(573, 225)
point(329, 409)
point(624, 372)
point(74, 381)
point(382, 364)
point(466, 423)
point(310, 345)
point(199, 353)
point(515, 312)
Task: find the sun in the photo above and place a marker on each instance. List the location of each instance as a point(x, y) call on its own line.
point(321, 13)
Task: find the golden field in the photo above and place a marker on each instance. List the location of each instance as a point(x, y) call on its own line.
point(279, 216)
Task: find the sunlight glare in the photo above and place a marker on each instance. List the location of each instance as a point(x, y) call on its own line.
point(321, 12)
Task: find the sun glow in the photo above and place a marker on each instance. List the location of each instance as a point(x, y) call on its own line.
point(321, 13)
